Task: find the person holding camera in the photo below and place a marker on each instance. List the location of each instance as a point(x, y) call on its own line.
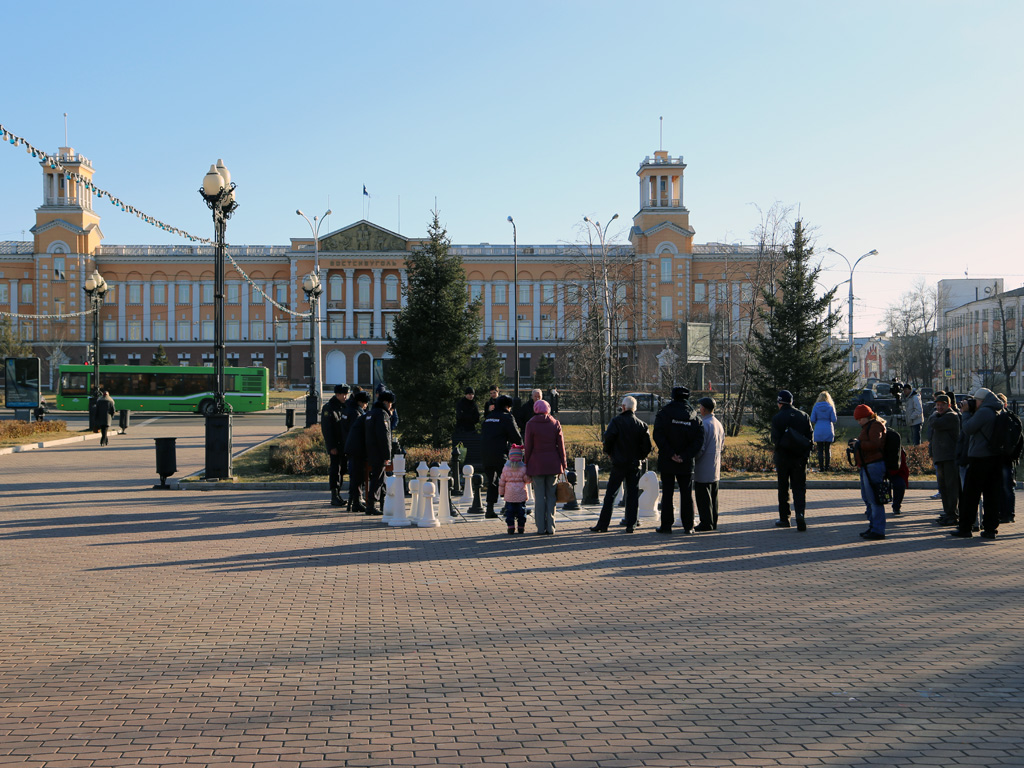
point(869, 455)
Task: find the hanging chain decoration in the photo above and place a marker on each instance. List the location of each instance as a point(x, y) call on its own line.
point(55, 163)
point(61, 316)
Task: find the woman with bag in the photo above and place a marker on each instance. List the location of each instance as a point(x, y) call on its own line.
point(823, 419)
point(544, 454)
point(869, 455)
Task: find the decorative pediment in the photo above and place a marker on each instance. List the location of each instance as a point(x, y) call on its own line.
point(671, 227)
point(40, 228)
point(363, 236)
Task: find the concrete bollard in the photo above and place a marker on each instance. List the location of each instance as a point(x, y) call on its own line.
point(649, 494)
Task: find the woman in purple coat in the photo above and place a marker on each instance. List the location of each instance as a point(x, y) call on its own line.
point(544, 455)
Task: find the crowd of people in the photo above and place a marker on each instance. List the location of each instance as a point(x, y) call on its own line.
point(974, 444)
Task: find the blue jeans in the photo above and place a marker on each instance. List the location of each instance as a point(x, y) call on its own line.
point(870, 475)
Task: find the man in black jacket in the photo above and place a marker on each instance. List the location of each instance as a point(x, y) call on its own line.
point(467, 415)
point(355, 447)
point(791, 435)
point(334, 426)
point(497, 434)
point(377, 429)
point(679, 435)
point(525, 411)
point(627, 442)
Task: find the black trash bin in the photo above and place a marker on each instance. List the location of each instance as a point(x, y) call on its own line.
point(124, 418)
point(289, 418)
point(166, 459)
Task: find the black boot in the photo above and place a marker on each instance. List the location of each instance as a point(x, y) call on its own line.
point(801, 524)
point(336, 500)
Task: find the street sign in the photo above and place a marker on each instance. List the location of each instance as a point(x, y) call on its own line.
point(948, 373)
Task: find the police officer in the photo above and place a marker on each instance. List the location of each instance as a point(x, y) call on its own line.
point(334, 426)
point(499, 431)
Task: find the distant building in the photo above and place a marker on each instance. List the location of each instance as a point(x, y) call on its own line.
point(164, 294)
point(975, 336)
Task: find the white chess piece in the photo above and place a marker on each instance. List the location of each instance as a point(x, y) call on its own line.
point(395, 499)
point(467, 489)
point(444, 494)
point(581, 475)
point(649, 493)
point(429, 517)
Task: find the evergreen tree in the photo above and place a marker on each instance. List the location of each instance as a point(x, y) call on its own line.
point(544, 375)
point(434, 339)
point(10, 344)
point(487, 369)
point(160, 356)
point(792, 348)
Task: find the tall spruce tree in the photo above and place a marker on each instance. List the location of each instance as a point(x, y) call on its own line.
point(434, 338)
point(792, 347)
point(486, 370)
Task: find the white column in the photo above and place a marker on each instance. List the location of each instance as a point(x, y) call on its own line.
point(197, 318)
point(488, 317)
point(536, 309)
point(147, 327)
point(378, 330)
point(350, 331)
point(243, 297)
point(560, 317)
point(268, 321)
point(122, 310)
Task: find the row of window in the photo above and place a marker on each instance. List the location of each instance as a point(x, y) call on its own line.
point(186, 329)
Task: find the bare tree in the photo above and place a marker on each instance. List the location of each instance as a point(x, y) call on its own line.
point(912, 322)
point(1010, 342)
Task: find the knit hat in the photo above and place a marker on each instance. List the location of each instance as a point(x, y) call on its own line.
point(515, 453)
point(680, 393)
point(785, 396)
point(707, 402)
point(385, 396)
point(863, 412)
point(469, 391)
point(541, 406)
point(942, 399)
point(503, 402)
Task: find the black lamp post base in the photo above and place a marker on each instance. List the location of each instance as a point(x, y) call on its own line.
point(218, 446)
point(312, 410)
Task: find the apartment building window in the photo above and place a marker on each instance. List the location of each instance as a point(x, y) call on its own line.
point(183, 293)
point(256, 330)
point(4, 295)
point(159, 293)
point(256, 359)
point(207, 327)
point(525, 329)
point(620, 292)
point(522, 293)
point(159, 330)
point(391, 288)
point(134, 358)
point(666, 269)
point(26, 293)
point(547, 293)
point(208, 359)
point(700, 293)
point(666, 307)
point(134, 293)
point(233, 328)
point(476, 292)
point(110, 330)
point(723, 292)
point(746, 292)
point(501, 329)
point(305, 329)
point(281, 295)
point(184, 358)
point(58, 268)
point(501, 293)
point(232, 359)
point(337, 327)
point(334, 287)
point(134, 330)
point(363, 291)
point(547, 328)
point(363, 326)
point(282, 365)
point(389, 325)
point(207, 289)
point(184, 330)
point(233, 293)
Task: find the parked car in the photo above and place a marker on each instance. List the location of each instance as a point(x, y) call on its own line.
point(645, 401)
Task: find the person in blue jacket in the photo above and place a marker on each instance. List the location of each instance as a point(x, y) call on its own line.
point(823, 419)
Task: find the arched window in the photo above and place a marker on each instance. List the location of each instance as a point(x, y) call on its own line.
point(334, 288)
point(363, 287)
point(391, 288)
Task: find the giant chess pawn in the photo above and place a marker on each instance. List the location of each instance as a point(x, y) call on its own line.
point(394, 503)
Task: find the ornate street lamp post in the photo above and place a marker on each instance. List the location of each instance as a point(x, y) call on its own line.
point(514, 314)
point(872, 252)
point(96, 290)
point(315, 397)
point(312, 287)
point(219, 193)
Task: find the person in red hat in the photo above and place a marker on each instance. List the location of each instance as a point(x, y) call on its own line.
point(869, 455)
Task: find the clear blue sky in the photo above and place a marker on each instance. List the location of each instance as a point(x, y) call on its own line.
point(890, 125)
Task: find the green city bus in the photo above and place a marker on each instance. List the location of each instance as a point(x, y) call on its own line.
point(163, 387)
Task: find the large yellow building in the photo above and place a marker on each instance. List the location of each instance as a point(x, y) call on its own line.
point(163, 295)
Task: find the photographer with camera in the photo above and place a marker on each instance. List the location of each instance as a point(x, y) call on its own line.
point(984, 471)
point(868, 453)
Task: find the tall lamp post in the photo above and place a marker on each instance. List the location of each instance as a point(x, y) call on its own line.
point(515, 305)
point(96, 290)
point(312, 288)
point(219, 193)
point(607, 331)
point(315, 397)
point(872, 252)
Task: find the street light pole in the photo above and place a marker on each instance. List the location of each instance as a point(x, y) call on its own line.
point(312, 288)
point(315, 397)
point(514, 314)
point(96, 290)
point(219, 194)
point(601, 233)
point(872, 252)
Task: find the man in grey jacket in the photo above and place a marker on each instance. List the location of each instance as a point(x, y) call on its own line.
point(914, 409)
point(984, 470)
point(943, 431)
point(708, 466)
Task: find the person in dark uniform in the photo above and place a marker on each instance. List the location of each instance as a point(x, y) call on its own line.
point(679, 435)
point(788, 426)
point(627, 442)
point(334, 427)
point(499, 431)
point(377, 427)
point(467, 414)
point(355, 447)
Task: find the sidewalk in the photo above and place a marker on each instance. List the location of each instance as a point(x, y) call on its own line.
point(252, 628)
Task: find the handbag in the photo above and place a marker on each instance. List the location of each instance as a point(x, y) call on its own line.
point(883, 491)
point(564, 492)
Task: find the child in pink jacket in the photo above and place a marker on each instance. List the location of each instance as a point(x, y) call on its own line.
point(512, 487)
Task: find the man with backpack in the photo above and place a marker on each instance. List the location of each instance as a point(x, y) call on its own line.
point(679, 435)
point(791, 434)
point(984, 476)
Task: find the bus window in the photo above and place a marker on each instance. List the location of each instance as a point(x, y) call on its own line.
point(74, 383)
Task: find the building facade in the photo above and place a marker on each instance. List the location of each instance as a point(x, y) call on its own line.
point(983, 342)
point(163, 295)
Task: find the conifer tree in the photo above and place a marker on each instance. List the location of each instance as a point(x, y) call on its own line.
point(792, 348)
point(434, 338)
point(160, 356)
point(487, 369)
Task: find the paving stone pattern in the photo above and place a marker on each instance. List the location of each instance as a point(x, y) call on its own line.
point(141, 627)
